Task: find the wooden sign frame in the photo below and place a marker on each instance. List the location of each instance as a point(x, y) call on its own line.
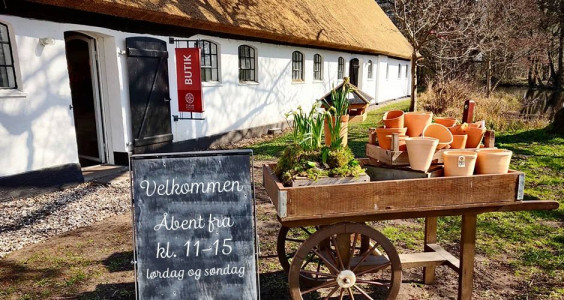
point(145, 169)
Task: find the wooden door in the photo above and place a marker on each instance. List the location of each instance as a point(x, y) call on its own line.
point(80, 52)
point(148, 93)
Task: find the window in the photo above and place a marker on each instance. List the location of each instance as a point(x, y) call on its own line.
point(370, 74)
point(297, 66)
point(209, 61)
point(406, 67)
point(247, 64)
point(317, 67)
point(399, 71)
point(7, 69)
point(341, 68)
point(387, 71)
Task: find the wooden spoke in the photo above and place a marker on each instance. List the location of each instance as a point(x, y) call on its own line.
point(306, 231)
point(365, 256)
point(352, 250)
point(373, 282)
point(350, 293)
point(374, 269)
point(294, 240)
point(318, 273)
point(342, 294)
point(332, 292)
point(341, 264)
point(321, 286)
point(328, 263)
point(363, 292)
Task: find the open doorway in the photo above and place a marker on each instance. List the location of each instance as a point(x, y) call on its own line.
point(353, 71)
point(85, 93)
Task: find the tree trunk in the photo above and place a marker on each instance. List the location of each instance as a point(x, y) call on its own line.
point(489, 78)
point(413, 104)
point(559, 76)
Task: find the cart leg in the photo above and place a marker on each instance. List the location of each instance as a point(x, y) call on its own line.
point(430, 238)
point(467, 249)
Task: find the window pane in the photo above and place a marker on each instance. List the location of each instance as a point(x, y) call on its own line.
point(4, 33)
point(214, 61)
point(4, 77)
point(11, 78)
point(7, 54)
point(215, 76)
point(3, 56)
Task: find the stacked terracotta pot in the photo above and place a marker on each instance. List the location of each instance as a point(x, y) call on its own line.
point(422, 138)
point(393, 123)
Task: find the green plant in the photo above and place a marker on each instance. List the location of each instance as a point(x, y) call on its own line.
point(307, 127)
point(338, 107)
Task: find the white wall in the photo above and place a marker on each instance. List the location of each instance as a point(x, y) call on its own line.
point(37, 126)
point(389, 84)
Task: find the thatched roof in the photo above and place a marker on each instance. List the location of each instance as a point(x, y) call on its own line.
point(349, 25)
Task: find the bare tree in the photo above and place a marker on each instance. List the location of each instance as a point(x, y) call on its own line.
point(425, 23)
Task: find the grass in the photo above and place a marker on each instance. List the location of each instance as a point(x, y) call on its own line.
point(531, 243)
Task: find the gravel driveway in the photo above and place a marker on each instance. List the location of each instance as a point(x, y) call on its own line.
point(30, 220)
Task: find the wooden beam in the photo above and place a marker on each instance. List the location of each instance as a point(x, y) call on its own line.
point(467, 252)
point(450, 260)
point(430, 238)
point(422, 259)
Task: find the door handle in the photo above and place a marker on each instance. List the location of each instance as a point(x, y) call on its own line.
point(167, 99)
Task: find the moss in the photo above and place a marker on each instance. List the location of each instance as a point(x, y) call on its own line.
point(296, 162)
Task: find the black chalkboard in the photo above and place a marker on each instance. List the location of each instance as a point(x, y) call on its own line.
point(194, 226)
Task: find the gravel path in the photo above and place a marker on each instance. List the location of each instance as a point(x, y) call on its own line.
point(30, 220)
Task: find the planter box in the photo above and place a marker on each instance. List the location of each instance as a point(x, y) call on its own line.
point(379, 171)
point(372, 198)
point(302, 181)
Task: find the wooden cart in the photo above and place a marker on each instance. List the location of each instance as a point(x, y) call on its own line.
point(338, 255)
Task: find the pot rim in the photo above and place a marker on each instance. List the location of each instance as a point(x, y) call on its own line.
point(496, 152)
point(456, 152)
point(440, 126)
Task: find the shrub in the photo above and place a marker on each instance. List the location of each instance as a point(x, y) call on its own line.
point(500, 110)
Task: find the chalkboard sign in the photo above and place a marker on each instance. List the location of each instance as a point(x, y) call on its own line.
point(194, 226)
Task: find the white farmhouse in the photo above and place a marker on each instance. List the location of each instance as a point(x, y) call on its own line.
point(89, 82)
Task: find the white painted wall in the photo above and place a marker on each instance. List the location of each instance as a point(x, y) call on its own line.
point(390, 84)
point(37, 127)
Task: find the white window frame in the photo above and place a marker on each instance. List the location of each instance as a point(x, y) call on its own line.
point(18, 91)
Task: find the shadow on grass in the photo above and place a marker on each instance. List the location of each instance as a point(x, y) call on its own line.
point(114, 291)
point(274, 285)
point(120, 261)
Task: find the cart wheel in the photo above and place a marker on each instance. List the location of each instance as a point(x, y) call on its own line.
point(349, 270)
point(289, 241)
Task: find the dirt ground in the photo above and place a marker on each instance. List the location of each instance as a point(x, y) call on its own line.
point(94, 262)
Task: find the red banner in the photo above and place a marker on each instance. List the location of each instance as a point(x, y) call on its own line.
point(189, 81)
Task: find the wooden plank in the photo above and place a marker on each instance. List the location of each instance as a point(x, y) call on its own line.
point(450, 260)
point(430, 238)
point(271, 184)
point(330, 180)
point(395, 158)
point(489, 139)
point(467, 252)
point(420, 212)
point(423, 259)
point(393, 194)
point(382, 172)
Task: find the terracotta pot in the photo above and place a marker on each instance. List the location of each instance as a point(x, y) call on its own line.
point(385, 136)
point(439, 132)
point(459, 163)
point(416, 122)
point(393, 119)
point(421, 150)
point(475, 136)
point(458, 141)
point(343, 133)
point(493, 161)
point(445, 121)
